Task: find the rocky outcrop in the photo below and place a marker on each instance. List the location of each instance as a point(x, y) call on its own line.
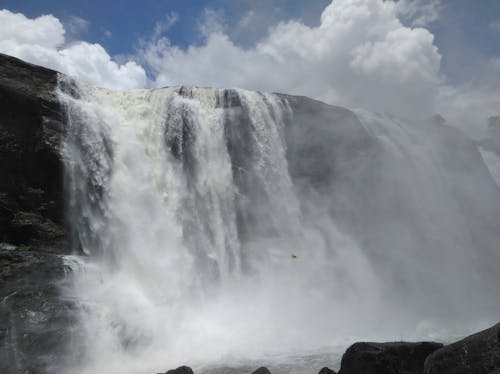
point(261, 370)
point(326, 370)
point(329, 153)
point(476, 354)
point(387, 358)
point(181, 370)
point(33, 316)
point(31, 187)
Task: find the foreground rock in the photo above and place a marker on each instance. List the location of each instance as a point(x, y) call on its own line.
point(387, 358)
point(261, 370)
point(326, 370)
point(181, 370)
point(476, 354)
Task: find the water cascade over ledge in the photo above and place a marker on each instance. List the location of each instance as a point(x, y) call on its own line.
point(217, 226)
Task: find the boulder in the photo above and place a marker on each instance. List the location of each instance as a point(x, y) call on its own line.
point(262, 370)
point(181, 370)
point(387, 358)
point(476, 354)
point(326, 370)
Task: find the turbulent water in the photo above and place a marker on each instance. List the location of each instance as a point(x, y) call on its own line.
point(195, 243)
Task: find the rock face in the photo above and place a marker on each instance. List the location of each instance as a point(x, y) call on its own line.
point(330, 152)
point(31, 187)
point(386, 358)
point(476, 354)
point(33, 316)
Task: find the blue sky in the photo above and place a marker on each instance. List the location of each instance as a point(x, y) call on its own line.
point(130, 20)
point(425, 55)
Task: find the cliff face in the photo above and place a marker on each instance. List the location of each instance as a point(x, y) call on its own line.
point(31, 203)
point(32, 232)
point(394, 195)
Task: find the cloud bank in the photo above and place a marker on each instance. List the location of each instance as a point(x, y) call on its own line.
point(373, 54)
point(359, 49)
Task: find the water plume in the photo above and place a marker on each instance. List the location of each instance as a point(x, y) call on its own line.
point(224, 226)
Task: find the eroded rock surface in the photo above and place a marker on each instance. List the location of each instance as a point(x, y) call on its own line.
point(33, 316)
point(476, 354)
point(387, 358)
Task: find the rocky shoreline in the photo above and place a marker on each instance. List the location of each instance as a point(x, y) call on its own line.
point(476, 354)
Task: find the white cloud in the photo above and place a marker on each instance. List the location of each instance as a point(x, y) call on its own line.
point(469, 107)
point(45, 31)
point(161, 27)
point(42, 41)
point(419, 12)
point(212, 22)
point(76, 25)
point(107, 34)
point(359, 50)
point(360, 55)
point(247, 19)
point(495, 26)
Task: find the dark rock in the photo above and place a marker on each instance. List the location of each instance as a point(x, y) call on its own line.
point(262, 370)
point(326, 370)
point(386, 358)
point(329, 152)
point(181, 370)
point(31, 182)
point(476, 354)
point(34, 318)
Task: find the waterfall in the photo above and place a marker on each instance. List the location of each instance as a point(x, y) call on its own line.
point(170, 211)
point(206, 232)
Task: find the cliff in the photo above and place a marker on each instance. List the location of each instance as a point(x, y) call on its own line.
point(395, 189)
point(32, 230)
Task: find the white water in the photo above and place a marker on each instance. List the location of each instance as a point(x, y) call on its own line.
point(170, 280)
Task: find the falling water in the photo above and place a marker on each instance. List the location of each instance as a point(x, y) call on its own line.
point(194, 245)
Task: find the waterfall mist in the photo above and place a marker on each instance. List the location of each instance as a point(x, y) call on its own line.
point(214, 226)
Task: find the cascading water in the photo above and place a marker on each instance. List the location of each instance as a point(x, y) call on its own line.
point(202, 248)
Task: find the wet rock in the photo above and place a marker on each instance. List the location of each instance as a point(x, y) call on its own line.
point(34, 318)
point(31, 168)
point(387, 358)
point(181, 370)
point(476, 354)
point(326, 370)
point(262, 370)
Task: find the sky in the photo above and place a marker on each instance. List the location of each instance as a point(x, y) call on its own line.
point(412, 58)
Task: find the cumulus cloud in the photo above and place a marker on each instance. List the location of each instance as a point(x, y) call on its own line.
point(469, 107)
point(76, 25)
point(359, 49)
point(419, 12)
point(371, 54)
point(162, 26)
point(42, 41)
